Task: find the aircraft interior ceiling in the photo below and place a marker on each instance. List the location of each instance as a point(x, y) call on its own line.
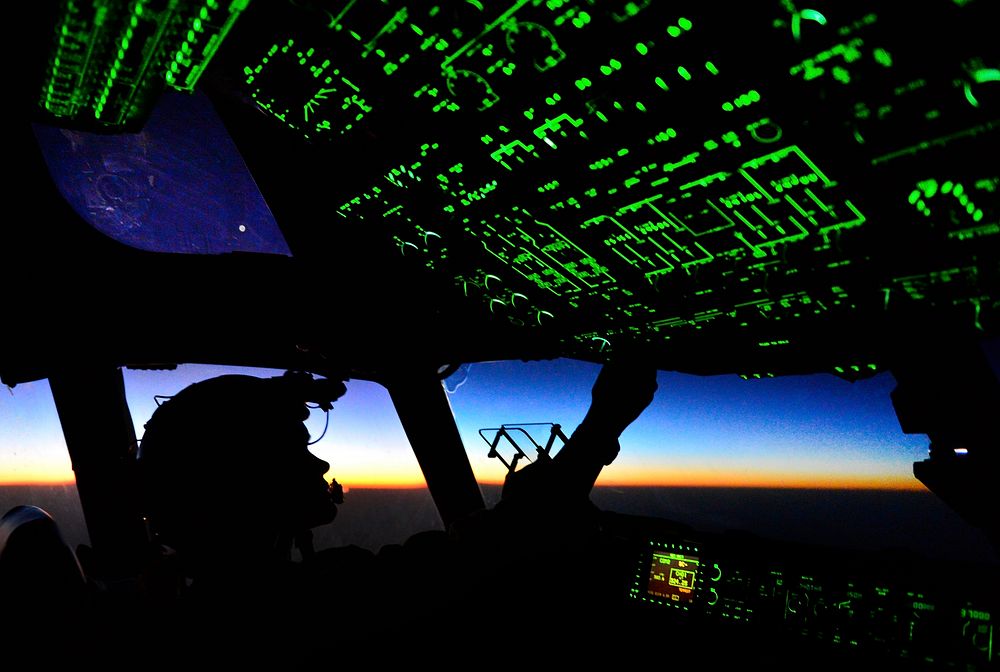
point(758, 189)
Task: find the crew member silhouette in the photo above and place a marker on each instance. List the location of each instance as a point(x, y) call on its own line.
point(228, 478)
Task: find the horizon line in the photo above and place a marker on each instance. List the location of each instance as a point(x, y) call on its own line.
point(915, 486)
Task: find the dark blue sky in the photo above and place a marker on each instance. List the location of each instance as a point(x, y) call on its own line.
point(717, 430)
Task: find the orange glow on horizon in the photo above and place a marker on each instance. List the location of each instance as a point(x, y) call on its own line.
point(37, 477)
point(679, 478)
point(34, 484)
point(836, 483)
point(725, 478)
point(786, 484)
point(803, 484)
point(693, 479)
point(382, 485)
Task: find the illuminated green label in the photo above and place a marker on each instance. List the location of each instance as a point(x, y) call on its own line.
point(976, 614)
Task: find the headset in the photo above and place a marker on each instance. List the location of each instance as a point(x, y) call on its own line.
point(301, 385)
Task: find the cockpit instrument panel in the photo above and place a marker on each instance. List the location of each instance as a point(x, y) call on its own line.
point(847, 603)
point(668, 575)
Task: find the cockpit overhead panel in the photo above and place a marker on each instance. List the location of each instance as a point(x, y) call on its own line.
point(752, 188)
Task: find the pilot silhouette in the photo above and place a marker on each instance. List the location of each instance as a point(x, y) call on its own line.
point(228, 478)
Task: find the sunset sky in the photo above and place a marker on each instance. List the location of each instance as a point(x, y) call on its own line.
point(808, 431)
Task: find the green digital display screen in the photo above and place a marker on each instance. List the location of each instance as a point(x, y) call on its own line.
point(672, 577)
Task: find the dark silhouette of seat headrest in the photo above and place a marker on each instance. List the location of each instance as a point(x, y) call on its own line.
point(37, 566)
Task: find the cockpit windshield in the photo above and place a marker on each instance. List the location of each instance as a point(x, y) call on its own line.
point(810, 459)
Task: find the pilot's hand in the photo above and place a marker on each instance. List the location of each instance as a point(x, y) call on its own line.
point(620, 394)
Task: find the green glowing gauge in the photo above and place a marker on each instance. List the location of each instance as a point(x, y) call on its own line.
point(328, 102)
point(535, 39)
point(956, 205)
point(471, 87)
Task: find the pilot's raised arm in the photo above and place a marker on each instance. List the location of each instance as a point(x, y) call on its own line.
point(620, 394)
point(545, 531)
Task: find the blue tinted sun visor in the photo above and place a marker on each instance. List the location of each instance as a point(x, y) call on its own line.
point(180, 185)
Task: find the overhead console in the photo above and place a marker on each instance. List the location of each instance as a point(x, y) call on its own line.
point(751, 188)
